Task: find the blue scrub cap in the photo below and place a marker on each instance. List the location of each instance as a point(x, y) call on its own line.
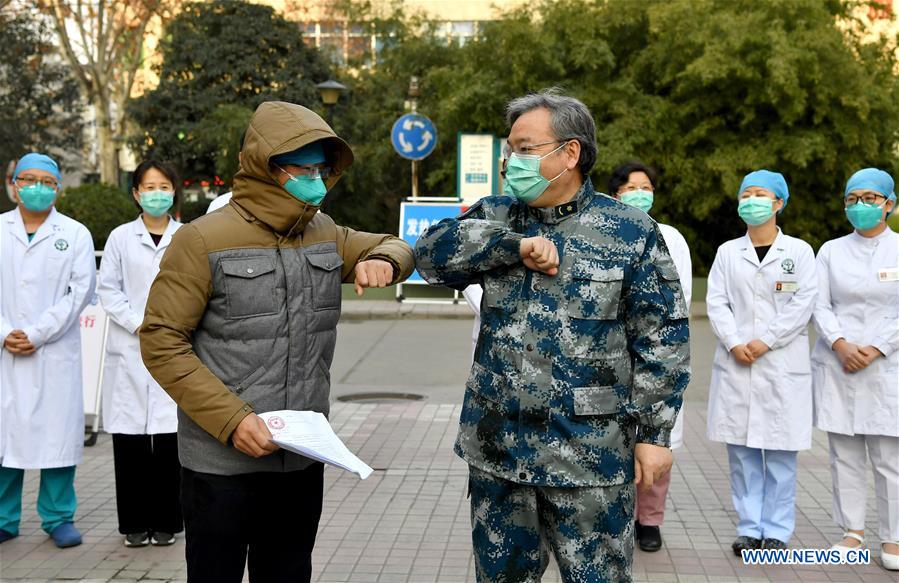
point(35, 161)
point(773, 181)
point(871, 179)
point(313, 153)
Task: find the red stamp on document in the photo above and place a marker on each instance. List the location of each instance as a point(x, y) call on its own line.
point(276, 422)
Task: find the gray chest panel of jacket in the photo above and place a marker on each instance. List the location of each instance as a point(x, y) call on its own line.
point(268, 334)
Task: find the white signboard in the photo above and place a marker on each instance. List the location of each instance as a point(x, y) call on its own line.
point(477, 163)
point(93, 347)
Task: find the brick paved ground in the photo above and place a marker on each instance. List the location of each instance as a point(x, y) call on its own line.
point(409, 521)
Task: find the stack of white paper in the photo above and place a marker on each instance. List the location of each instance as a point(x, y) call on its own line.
point(308, 433)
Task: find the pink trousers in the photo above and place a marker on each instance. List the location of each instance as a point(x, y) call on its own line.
point(650, 506)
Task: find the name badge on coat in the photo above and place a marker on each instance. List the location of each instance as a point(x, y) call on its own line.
point(888, 274)
point(786, 287)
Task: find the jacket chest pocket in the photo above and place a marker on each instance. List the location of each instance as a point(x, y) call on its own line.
point(324, 276)
point(595, 291)
point(502, 293)
point(784, 288)
point(249, 287)
point(57, 266)
point(593, 297)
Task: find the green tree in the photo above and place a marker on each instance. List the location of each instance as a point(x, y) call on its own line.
point(102, 41)
point(762, 84)
point(221, 60)
point(99, 207)
point(40, 108)
point(706, 90)
point(368, 196)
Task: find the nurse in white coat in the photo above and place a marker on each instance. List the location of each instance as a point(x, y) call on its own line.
point(761, 294)
point(141, 417)
point(47, 276)
point(856, 361)
point(634, 184)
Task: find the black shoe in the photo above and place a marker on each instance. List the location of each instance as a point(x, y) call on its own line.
point(137, 539)
point(773, 543)
point(649, 538)
point(745, 543)
point(162, 539)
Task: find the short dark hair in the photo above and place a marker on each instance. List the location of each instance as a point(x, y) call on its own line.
point(168, 170)
point(570, 120)
point(621, 175)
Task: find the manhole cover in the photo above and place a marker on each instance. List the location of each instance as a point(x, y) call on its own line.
point(379, 397)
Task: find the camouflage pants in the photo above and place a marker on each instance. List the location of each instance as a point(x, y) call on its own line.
point(589, 530)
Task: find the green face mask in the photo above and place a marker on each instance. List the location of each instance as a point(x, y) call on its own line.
point(37, 197)
point(523, 178)
point(864, 216)
point(156, 202)
point(755, 210)
point(308, 189)
point(642, 199)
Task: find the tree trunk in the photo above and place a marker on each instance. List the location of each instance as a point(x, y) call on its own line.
point(108, 161)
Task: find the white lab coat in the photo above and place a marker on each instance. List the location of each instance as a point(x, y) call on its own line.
point(473, 295)
point(680, 253)
point(218, 202)
point(853, 303)
point(767, 405)
point(44, 285)
point(133, 403)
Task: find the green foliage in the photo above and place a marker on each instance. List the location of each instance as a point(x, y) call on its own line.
point(193, 209)
point(750, 84)
point(220, 132)
point(893, 222)
point(40, 109)
point(99, 207)
point(368, 196)
point(221, 60)
point(705, 90)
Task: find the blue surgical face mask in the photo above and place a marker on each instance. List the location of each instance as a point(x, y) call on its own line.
point(523, 178)
point(864, 216)
point(755, 210)
point(37, 197)
point(642, 199)
point(156, 202)
point(309, 189)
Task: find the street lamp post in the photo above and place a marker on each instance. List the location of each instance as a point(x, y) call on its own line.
point(330, 91)
point(413, 105)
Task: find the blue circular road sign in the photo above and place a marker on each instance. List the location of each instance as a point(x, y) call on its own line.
point(414, 136)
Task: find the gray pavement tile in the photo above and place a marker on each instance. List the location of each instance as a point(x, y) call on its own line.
point(411, 523)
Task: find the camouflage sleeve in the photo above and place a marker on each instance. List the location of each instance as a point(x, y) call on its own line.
point(658, 340)
point(455, 252)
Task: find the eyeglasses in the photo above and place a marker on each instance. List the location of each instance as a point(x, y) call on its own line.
point(525, 150)
point(26, 181)
point(323, 172)
point(867, 198)
point(631, 188)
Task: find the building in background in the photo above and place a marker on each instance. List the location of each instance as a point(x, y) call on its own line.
point(324, 27)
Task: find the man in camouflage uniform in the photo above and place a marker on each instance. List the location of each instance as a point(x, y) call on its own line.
point(582, 358)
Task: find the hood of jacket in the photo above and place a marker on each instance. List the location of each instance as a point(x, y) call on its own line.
point(278, 127)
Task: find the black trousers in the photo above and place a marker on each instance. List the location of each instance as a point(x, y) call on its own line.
point(272, 516)
point(147, 482)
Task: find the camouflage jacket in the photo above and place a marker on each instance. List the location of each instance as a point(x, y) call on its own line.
point(567, 367)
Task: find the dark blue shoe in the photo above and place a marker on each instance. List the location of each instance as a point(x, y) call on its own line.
point(5, 535)
point(66, 535)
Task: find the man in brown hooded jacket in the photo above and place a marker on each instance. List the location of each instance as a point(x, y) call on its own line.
point(242, 320)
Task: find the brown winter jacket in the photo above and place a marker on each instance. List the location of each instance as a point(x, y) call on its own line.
point(242, 316)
